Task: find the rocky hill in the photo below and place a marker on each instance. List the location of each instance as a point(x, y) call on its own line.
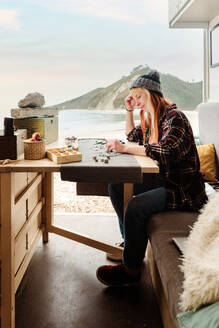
point(187, 95)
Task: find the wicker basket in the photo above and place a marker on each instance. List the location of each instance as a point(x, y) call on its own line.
point(34, 149)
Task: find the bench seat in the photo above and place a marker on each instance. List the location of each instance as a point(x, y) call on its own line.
point(164, 260)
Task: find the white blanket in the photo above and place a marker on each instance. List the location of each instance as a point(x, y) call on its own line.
point(200, 263)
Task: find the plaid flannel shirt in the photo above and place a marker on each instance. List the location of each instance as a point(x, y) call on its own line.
point(177, 158)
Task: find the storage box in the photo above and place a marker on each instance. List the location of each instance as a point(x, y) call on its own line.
point(12, 146)
point(63, 155)
point(34, 149)
point(47, 126)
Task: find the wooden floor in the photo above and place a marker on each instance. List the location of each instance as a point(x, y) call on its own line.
point(60, 289)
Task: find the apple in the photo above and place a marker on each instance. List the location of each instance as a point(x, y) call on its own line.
point(32, 140)
point(36, 136)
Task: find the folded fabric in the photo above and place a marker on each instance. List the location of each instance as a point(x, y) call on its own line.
point(206, 317)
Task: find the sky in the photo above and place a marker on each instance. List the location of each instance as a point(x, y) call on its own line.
point(65, 48)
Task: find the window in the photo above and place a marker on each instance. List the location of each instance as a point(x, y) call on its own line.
point(214, 46)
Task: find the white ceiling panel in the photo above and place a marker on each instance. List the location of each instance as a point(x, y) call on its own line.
point(197, 12)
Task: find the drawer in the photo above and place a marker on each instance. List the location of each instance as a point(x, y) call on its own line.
point(34, 198)
point(25, 206)
point(19, 252)
point(34, 229)
point(20, 183)
point(19, 219)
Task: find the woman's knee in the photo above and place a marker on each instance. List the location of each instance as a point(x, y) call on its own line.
point(147, 203)
point(132, 206)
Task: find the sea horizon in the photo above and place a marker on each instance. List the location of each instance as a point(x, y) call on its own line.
point(80, 122)
point(87, 121)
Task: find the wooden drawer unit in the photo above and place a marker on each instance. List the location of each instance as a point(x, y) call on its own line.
point(27, 221)
point(26, 204)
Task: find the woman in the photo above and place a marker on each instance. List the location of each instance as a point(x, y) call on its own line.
point(166, 136)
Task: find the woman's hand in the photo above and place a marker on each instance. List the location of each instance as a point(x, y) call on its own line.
point(133, 149)
point(115, 145)
point(129, 103)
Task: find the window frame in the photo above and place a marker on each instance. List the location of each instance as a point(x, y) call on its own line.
point(212, 65)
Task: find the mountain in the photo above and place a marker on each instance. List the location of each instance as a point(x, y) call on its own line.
point(187, 95)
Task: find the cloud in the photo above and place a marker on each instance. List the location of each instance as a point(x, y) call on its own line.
point(8, 19)
point(140, 12)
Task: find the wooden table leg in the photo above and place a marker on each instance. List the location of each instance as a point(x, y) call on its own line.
point(7, 203)
point(50, 227)
point(48, 211)
point(128, 193)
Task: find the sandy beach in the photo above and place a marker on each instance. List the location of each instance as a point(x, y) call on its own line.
point(66, 200)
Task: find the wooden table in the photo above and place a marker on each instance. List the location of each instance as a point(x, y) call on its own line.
point(26, 214)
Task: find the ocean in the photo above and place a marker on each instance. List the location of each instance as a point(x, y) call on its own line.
point(84, 122)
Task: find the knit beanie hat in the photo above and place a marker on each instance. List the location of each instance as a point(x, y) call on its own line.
point(150, 81)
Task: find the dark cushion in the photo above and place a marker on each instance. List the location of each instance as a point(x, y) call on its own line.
point(162, 227)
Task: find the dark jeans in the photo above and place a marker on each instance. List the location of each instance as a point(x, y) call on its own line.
point(149, 198)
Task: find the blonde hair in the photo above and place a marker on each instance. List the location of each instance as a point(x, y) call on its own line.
point(158, 104)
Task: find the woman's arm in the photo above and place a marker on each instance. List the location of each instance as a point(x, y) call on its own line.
point(129, 105)
point(129, 122)
point(125, 148)
point(135, 150)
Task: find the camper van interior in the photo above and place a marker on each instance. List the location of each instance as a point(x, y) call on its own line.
point(52, 283)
